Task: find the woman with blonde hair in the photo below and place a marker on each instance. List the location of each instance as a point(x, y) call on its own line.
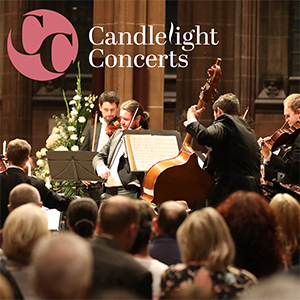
point(205, 242)
point(24, 226)
point(287, 210)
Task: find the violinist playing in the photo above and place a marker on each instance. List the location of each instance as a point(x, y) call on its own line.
point(283, 165)
point(111, 163)
point(108, 106)
point(233, 158)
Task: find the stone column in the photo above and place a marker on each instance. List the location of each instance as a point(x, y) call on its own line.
point(128, 16)
point(16, 107)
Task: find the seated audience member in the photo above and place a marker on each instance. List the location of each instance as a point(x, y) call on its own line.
point(276, 287)
point(139, 249)
point(205, 243)
point(18, 152)
point(82, 217)
point(113, 267)
point(254, 229)
point(287, 210)
point(163, 246)
point(21, 194)
point(6, 291)
point(23, 227)
point(62, 267)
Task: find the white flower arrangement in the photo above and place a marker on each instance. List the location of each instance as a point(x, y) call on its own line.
point(67, 135)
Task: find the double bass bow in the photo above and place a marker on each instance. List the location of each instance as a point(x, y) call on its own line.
point(181, 178)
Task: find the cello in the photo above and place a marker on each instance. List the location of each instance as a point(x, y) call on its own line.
point(181, 178)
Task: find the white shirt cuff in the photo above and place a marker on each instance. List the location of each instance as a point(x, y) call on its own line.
point(267, 159)
point(190, 121)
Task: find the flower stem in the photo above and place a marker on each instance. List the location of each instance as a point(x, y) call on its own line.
point(67, 105)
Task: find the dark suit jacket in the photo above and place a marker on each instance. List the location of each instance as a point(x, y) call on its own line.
point(287, 163)
point(14, 176)
point(106, 155)
point(113, 268)
point(87, 142)
point(234, 156)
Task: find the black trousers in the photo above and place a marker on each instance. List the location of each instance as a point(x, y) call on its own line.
point(131, 191)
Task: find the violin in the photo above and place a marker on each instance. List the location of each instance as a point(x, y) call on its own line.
point(113, 126)
point(282, 137)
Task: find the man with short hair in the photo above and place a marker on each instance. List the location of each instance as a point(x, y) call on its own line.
point(108, 105)
point(113, 267)
point(164, 246)
point(18, 152)
point(285, 165)
point(62, 267)
point(234, 156)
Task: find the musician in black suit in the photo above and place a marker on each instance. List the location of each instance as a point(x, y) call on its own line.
point(113, 267)
point(111, 163)
point(108, 106)
point(234, 157)
point(18, 152)
point(284, 165)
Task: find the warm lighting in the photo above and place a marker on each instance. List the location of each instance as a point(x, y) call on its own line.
point(28, 168)
point(4, 148)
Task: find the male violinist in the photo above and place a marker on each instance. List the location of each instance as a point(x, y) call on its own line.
point(108, 106)
point(284, 165)
point(111, 163)
point(233, 158)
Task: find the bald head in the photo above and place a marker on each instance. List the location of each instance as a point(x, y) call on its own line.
point(23, 193)
point(170, 216)
point(62, 267)
point(117, 213)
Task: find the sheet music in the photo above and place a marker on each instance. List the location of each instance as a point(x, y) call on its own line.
point(148, 150)
point(53, 218)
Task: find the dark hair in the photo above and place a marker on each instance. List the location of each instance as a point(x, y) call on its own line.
point(253, 227)
point(18, 151)
point(109, 96)
point(82, 216)
point(169, 220)
point(145, 226)
point(131, 106)
point(229, 103)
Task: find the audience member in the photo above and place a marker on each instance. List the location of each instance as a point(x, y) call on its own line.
point(6, 291)
point(62, 267)
point(205, 242)
point(23, 227)
point(82, 217)
point(139, 248)
point(254, 229)
point(275, 287)
point(113, 267)
point(21, 194)
point(18, 152)
point(163, 246)
point(287, 210)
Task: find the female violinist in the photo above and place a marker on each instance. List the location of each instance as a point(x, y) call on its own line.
point(283, 165)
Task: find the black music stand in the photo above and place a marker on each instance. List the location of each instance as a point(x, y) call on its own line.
point(72, 165)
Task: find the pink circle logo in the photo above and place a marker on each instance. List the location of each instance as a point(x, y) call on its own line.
point(42, 27)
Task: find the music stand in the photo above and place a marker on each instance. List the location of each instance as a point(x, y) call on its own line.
point(72, 165)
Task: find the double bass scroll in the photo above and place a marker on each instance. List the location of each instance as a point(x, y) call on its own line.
point(181, 178)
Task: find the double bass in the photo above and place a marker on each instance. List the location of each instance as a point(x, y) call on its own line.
point(181, 178)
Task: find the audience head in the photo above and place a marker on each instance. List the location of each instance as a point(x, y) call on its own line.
point(287, 210)
point(62, 267)
point(119, 219)
point(82, 217)
point(145, 227)
point(204, 237)
point(253, 227)
point(171, 214)
point(128, 109)
point(18, 152)
point(23, 227)
point(23, 193)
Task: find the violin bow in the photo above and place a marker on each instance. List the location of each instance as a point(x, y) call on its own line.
point(245, 113)
point(94, 132)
